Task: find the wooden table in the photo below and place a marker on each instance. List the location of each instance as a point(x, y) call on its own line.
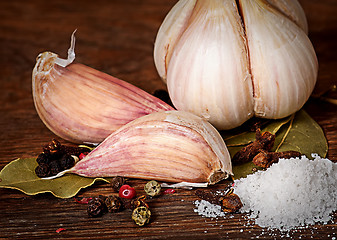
point(117, 37)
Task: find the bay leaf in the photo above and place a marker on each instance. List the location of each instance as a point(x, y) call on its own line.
point(20, 174)
point(236, 138)
point(303, 134)
point(298, 132)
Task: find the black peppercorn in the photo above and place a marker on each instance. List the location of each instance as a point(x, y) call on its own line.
point(96, 207)
point(117, 182)
point(57, 150)
point(113, 203)
point(55, 167)
point(52, 147)
point(42, 170)
point(43, 158)
point(66, 162)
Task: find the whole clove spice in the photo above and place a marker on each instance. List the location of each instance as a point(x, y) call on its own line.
point(263, 141)
point(229, 202)
point(265, 159)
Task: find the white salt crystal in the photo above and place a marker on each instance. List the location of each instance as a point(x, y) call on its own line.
point(208, 209)
point(293, 192)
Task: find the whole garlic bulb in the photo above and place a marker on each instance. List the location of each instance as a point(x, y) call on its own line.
point(228, 60)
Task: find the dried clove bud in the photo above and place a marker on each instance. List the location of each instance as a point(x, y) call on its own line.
point(210, 196)
point(96, 207)
point(229, 202)
point(263, 141)
point(265, 159)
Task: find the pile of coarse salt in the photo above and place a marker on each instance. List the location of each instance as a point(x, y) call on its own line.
point(291, 193)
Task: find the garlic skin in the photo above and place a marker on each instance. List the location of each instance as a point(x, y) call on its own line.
point(173, 26)
point(293, 10)
point(284, 63)
point(227, 62)
point(208, 68)
point(171, 146)
point(83, 105)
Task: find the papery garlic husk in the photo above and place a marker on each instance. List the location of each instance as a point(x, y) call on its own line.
point(228, 63)
point(83, 105)
point(171, 146)
point(293, 10)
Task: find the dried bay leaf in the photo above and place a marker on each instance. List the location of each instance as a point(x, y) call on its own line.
point(302, 134)
point(20, 174)
point(298, 132)
point(237, 138)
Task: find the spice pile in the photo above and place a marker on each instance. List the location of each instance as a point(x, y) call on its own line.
point(56, 157)
point(294, 192)
point(259, 151)
point(126, 199)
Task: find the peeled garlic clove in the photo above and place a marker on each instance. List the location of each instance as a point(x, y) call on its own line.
point(283, 60)
point(217, 83)
point(170, 146)
point(83, 105)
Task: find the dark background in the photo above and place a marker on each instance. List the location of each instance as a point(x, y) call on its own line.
point(117, 37)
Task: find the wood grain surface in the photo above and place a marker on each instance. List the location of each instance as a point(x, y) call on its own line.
point(117, 37)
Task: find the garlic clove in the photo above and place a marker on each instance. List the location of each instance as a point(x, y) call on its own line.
point(171, 146)
point(293, 10)
point(168, 34)
point(83, 105)
point(283, 61)
point(208, 73)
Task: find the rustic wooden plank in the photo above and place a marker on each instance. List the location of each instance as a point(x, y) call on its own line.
point(117, 37)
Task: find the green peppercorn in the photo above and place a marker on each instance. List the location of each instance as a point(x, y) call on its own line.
point(152, 188)
point(141, 215)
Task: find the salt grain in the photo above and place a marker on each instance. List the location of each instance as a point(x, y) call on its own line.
point(293, 192)
point(208, 209)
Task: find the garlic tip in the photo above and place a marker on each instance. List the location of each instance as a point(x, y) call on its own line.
point(71, 53)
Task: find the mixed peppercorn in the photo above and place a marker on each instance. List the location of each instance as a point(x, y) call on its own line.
point(56, 157)
point(126, 199)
